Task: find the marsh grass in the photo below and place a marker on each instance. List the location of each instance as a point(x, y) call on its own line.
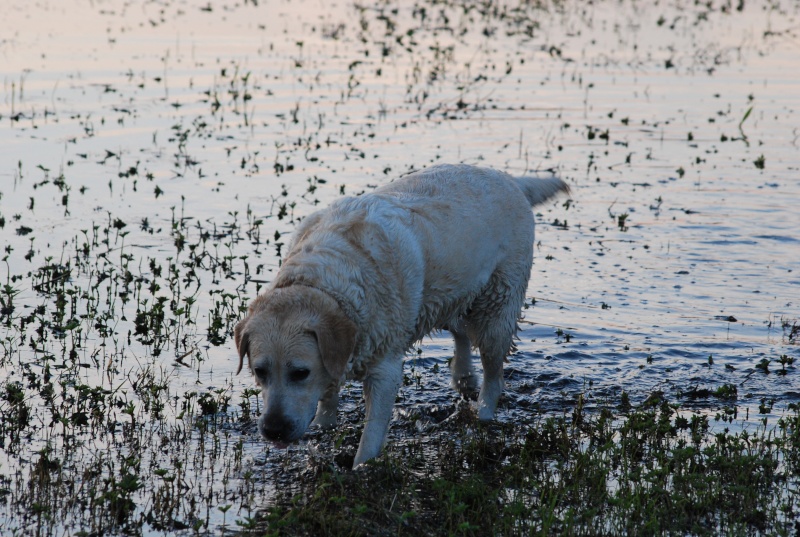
point(651, 470)
point(97, 436)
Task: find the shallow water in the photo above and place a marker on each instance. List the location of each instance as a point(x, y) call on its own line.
point(672, 268)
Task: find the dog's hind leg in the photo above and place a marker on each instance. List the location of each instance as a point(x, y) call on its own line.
point(462, 374)
point(492, 324)
point(380, 391)
point(492, 387)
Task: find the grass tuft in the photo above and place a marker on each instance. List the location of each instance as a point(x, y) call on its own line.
point(650, 470)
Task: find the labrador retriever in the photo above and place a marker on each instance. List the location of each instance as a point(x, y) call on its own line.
point(449, 247)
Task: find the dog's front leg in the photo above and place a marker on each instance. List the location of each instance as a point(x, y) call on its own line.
point(325, 418)
point(380, 390)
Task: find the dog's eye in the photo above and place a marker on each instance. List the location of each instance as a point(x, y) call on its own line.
point(298, 375)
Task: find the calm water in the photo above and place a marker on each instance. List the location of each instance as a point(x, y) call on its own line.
point(673, 268)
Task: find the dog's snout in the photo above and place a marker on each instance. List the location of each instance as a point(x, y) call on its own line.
point(274, 427)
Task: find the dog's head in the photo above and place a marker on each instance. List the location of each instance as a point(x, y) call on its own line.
point(298, 342)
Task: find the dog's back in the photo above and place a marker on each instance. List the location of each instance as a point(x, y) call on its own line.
point(418, 253)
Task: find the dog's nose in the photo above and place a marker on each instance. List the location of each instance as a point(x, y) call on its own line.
point(273, 427)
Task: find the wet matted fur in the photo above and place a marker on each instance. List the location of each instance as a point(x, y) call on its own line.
point(448, 247)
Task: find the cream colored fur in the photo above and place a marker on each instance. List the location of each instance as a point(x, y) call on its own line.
point(448, 247)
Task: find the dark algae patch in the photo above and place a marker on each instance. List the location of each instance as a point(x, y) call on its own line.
point(156, 158)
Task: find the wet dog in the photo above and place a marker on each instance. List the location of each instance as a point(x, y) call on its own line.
point(449, 247)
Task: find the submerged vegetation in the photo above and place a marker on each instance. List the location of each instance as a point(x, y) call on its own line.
point(148, 193)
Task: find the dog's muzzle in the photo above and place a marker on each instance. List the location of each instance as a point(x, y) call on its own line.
point(276, 428)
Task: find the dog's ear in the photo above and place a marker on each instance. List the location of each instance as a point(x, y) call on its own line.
point(336, 337)
point(242, 339)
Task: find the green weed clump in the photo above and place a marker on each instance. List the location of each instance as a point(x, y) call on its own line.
point(649, 471)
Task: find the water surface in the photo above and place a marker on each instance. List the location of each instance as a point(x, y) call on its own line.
point(155, 158)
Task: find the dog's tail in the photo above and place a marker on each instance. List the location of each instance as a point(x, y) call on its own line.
point(540, 189)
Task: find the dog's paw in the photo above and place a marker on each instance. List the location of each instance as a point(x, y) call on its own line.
point(324, 422)
point(467, 385)
point(485, 411)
